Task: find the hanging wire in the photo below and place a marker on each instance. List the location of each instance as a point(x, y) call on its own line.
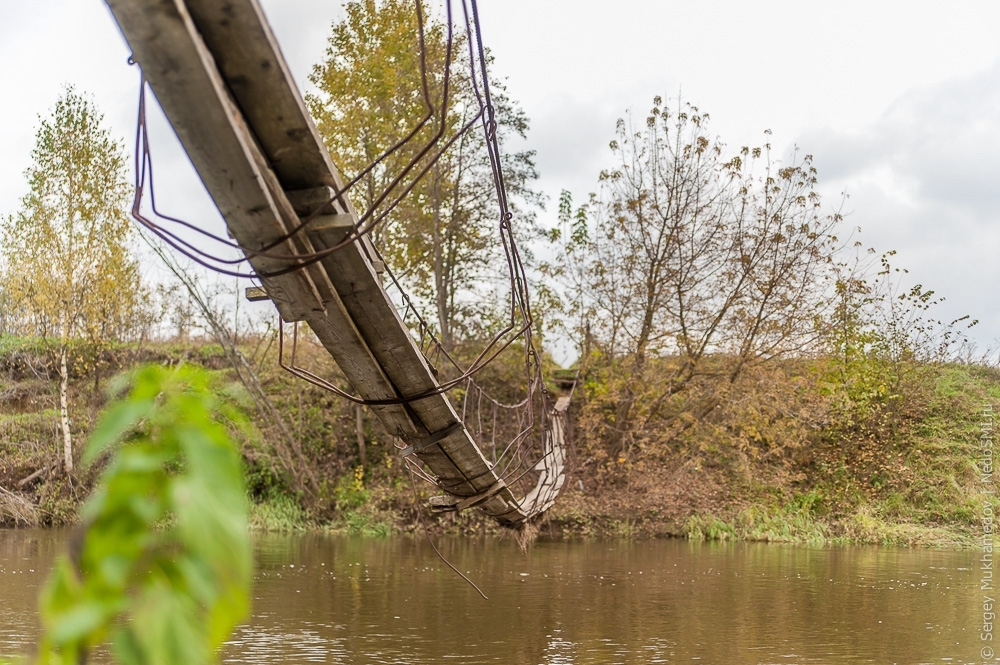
point(526, 417)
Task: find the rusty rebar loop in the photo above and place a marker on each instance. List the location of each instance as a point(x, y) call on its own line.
point(366, 223)
point(511, 462)
point(195, 253)
point(326, 385)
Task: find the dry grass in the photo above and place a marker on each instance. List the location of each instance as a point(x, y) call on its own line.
point(17, 509)
point(525, 534)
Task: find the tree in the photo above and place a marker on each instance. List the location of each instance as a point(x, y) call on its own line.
point(69, 273)
point(704, 263)
point(371, 97)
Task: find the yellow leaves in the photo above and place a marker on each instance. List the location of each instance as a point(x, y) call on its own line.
point(70, 269)
point(380, 107)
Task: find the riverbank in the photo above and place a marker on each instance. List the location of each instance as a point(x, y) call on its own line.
point(918, 486)
point(782, 475)
point(913, 479)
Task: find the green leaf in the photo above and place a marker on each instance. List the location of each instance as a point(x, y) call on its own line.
point(113, 425)
point(166, 548)
point(81, 620)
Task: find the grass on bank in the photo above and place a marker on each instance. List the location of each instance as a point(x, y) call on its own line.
point(935, 496)
point(926, 491)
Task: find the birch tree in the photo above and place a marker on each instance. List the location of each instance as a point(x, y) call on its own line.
point(69, 272)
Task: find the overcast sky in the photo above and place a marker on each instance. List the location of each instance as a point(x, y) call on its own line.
point(898, 101)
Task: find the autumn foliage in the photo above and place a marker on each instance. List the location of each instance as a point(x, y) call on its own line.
point(739, 349)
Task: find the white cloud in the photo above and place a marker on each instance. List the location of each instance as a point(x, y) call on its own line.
point(922, 180)
point(911, 127)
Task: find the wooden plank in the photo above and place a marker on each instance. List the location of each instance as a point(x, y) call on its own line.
point(248, 135)
point(155, 27)
point(222, 148)
point(552, 466)
point(256, 294)
point(250, 61)
point(461, 466)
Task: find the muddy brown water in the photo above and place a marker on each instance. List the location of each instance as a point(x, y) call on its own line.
point(332, 599)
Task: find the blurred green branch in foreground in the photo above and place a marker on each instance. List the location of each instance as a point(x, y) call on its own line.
point(161, 565)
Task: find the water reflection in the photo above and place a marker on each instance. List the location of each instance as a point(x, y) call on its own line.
point(25, 559)
point(345, 600)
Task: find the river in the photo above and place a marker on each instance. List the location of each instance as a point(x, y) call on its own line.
point(335, 599)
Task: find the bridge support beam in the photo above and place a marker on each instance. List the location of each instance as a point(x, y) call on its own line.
point(218, 75)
